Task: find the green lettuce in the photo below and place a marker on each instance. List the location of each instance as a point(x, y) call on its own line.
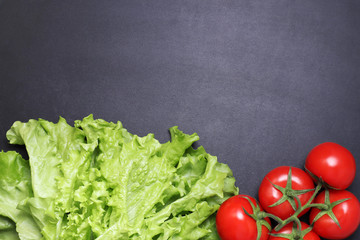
point(7, 229)
point(95, 180)
point(15, 186)
point(9, 234)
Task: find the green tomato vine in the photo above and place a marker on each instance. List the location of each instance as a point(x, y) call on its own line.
point(292, 196)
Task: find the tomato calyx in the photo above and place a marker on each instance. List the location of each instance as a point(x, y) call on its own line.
point(326, 208)
point(259, 216)
point(288, 193)
point(296, 233)
point(319, 179)
point(295, 217)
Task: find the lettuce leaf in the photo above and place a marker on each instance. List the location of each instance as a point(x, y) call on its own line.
point(6, 223)
point(9, 234)
point(15, 186)
point(7, 229)
point(95, 180)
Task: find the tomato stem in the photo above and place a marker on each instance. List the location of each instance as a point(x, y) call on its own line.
point(326, 208)
point(288, 193)
point(295, 217)
point(259, 217)
point(296, 233)
point(292, 196)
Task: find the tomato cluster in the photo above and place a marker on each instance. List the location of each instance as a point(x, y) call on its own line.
point(287, 193)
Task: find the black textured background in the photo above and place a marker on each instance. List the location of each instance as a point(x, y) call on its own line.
point(261, 82)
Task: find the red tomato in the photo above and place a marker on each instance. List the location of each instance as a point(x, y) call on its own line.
point(232, 223)
point(288, 230)
point(269, 195)
point(333, 163)
point(347, 213)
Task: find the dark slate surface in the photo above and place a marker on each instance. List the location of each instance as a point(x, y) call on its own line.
point(261, 82)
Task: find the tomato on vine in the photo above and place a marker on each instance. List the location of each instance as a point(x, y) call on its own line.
point(290, 231)
point(280, 188)
point(240, 218)
point(333, 163)
point(339, 218)
point(286, 193)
